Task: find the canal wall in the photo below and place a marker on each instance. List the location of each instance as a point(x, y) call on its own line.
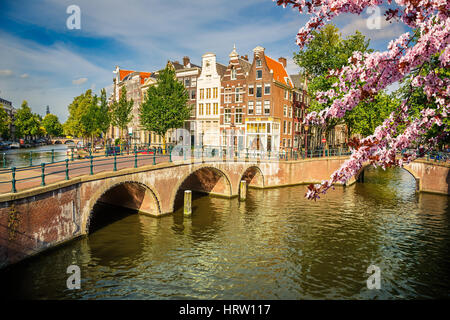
point(34, 220)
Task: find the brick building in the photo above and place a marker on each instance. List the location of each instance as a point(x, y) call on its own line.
point(269, 117)
point(233, 101)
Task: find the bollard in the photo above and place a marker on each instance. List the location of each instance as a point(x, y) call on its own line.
point(92, 165)
point(187, 210)
point(135, 157)
point(154, 156)
point(13, 179)
point(42, 174)
point(31, 158)
point(242, 190)
point(115, 162)
point(67, 169)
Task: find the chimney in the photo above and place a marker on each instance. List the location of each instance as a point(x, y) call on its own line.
point(283, 61)
point(186, 61)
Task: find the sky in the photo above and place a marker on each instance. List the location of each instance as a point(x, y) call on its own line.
point(46, 63)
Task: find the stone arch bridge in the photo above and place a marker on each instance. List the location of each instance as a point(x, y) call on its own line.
point(36, 219)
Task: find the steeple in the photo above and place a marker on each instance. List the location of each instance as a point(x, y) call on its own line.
point(233, 53)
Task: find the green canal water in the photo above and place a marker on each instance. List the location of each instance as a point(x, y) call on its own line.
point(275, 245)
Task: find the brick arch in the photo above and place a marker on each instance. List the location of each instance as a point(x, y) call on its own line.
point(250, 173)
point(406, 168)
point(228, 189)
point(109, 185)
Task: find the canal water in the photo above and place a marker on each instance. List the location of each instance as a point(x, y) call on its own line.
point(275, 245)
point(21, 157)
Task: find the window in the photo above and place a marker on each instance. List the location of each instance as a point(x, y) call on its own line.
point(258, 107)
point(250, 107)
point(284, 127)
point(227, 118)
point(290, 96)
point(200, 109)
point(286, 94)
point(208, 93)
point(233, 73)
point(289, 143)
point(259, 91)
point(266, 106)
point(251, 90)
point(258, 74)
point(290, 112)
point(215, 93)
point(208, 109)
point(267, 88)
point(284, 142)
point(187, 82)
point(239, 95)
point(238, 116)
point(285, 111)
point(289, 127)
point(258, 63)
point(227, 97)
point(193, 81)
point(193, 94)
point(216, 108)
point(202, 93)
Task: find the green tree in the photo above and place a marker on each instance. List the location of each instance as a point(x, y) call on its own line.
point(27, 123)
point(5, 122)
point(77, 108)
point(121, 112)
point(103, 117)
point(89, 120)
point(52, 125)
point(165, 106)
point(327, 51)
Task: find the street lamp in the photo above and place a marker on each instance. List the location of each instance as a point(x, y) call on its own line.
point(306, 139)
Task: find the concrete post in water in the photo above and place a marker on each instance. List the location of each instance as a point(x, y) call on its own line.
point(242, 190)
point(187, 203)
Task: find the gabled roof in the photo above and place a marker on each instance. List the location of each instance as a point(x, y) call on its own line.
point(245, 65)
point(123, 73)
point(221, 69)
point(279, 72)
point(298, 80)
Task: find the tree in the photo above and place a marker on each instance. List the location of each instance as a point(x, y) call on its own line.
point(27, 123)
point(5, 122)
point(121, 112)
point(165, 106)
point(52, 125)
point(77, 108)
point(328, 51)
point(89, 120)
point(103, 117)
point(369, 73)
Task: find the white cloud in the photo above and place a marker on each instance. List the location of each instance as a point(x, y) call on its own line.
point(6, 72)
point(79, 81)
point(25, 75)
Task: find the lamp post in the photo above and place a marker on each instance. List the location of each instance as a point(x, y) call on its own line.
point(306, 140)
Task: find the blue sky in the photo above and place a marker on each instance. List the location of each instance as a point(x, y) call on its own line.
point(45, 63)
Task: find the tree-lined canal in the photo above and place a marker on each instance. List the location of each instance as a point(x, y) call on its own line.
point(275, 245)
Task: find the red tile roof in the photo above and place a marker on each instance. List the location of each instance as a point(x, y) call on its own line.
point(142, 75)
point(279, 72)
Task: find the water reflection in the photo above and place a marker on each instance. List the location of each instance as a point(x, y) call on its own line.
point(275, 245)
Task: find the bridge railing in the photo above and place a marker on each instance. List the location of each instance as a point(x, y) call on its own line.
point(121, 157)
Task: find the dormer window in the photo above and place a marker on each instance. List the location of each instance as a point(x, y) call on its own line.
point(258, 63)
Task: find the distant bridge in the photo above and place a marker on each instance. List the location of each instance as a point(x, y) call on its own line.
point(65, 140)
point(39, 216)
